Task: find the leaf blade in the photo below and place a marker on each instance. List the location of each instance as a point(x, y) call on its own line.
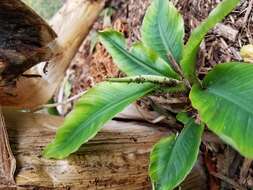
point(163, 29)
point(225, 104)
point(139, 61)
point(173, 157)
point(188, 62)
point(96, 107)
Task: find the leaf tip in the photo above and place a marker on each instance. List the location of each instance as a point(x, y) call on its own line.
point(50, 152)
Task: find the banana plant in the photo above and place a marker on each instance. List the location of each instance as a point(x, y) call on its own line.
point(222, 101)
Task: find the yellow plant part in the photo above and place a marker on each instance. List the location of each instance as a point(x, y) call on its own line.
point(247, 53)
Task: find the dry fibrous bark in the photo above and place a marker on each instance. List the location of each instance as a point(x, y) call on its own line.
point(7, 160)
point(117, 158)
point(24, 40)
point(72, 23)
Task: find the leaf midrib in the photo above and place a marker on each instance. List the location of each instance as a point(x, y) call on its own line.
point(228, 99)
point(97, 115)
point(131, 56)
point(163, 37)
point(170, 162)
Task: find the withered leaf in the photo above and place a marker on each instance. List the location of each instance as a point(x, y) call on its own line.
point(7, 160)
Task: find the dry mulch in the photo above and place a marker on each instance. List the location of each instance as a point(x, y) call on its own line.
point(225, 168)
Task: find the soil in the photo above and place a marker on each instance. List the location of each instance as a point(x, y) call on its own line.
point(225, 168)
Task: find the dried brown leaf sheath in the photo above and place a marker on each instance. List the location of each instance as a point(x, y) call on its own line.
point(24, 39)
point(7, 160)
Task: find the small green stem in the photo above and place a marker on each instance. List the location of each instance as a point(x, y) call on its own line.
point(176, 89)
point(178, 69)
point(164, 81)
